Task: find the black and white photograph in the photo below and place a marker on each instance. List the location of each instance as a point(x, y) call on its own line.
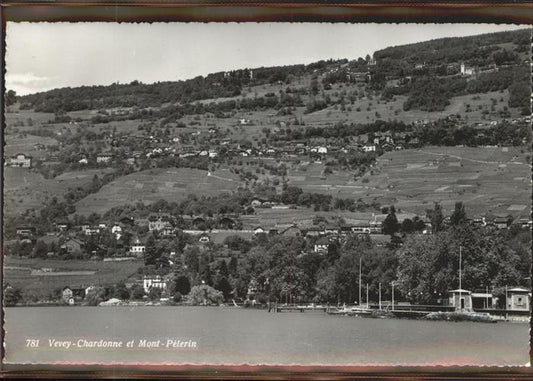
point(276, 194)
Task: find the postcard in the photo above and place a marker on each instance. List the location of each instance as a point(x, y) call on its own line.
point(267, 194)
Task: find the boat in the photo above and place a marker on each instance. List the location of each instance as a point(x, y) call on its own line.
point(462, 316)
point(360, 311)
point(350, 311)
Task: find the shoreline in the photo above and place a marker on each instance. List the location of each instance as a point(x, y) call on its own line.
point(496, 317)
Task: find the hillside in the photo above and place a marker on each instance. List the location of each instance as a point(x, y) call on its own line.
point(263, 125)
point(441, 57)
point(152, 185)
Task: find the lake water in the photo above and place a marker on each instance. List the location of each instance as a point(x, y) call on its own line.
point(219, 335)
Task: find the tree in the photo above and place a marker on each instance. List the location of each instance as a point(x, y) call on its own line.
point(204, 294)
point(154, 293)
point(408, 226)
point(435, 217)
point(11, 97)
point(223, 268)
point(191, 259)
point(40, 250)
point(12, 296)
point(458, 216)
point(224, 286)
point(182, 285)
point(390, 225)
point(95, 296)
point(121, 292)
point(151, 254)
point(232, 266)
point(137, 292)
point(429, 264)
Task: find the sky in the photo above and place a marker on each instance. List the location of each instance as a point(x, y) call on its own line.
point(43, 56)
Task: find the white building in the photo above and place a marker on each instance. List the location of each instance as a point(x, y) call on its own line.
point(465, 70)
point(138, 249)
point(116, 229)
point(20, 160)
point(103, 158)
point(154, 281)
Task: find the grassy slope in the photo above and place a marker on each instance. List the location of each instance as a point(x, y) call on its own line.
point(26, 189)
point(17, 272)
point(485, 179)
point(172, 184)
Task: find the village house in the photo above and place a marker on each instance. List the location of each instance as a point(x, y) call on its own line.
point(376, 224)
point(502, 222)
point(116, 229)
point(137, 248)
point(331, 230)
point(314, 231)
point(20, 160)
point(159, 221)
point(322, 150)
point(369, 148)
point(62, 226)
point(103, 158)
point(259, 230)
point(204, 238)
point(256, 202)
point(479, 221)
point(71, 246)
point(154, 281)
point(291, 231)
point(67, 296)
point(26, 231)
point(467, 70)
point(90, 230)
point(321, 246)
point(361, 228)
point(168, 231)
point(387, 146)
point(525, 223)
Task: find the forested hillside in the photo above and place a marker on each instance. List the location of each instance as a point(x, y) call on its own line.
point(429, 73)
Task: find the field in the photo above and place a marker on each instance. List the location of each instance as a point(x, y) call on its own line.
point(301, 216)
point(151, 185)
point(374, 109)
point(16, 117)
point(495, 180)
point(26, 189)
point(27, 145)
point(364, 110)
point(18, 272)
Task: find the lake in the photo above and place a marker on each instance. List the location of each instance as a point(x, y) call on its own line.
point(223, 335)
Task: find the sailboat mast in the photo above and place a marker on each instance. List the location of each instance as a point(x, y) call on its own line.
point(380, 295)
point(367, 295)
point(460, 292)
point(360, 260)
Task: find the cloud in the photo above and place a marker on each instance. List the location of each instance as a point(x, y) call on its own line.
point(24, 83)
